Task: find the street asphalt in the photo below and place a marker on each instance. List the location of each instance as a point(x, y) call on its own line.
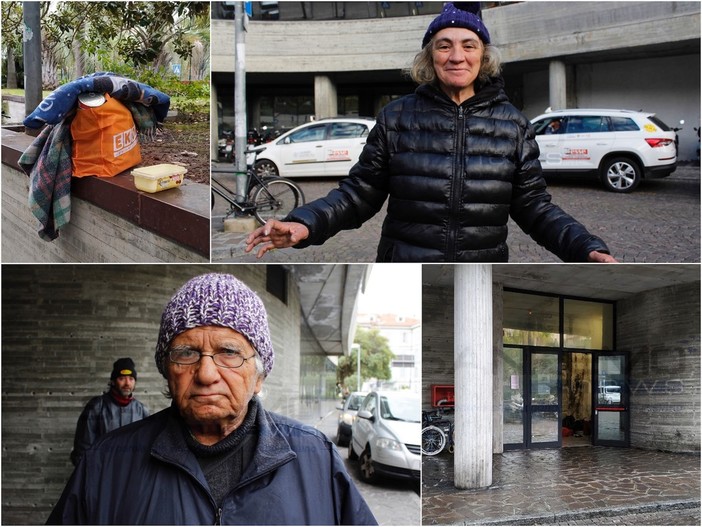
point(657, 223)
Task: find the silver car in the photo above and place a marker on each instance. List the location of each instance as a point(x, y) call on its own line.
point(386, 436)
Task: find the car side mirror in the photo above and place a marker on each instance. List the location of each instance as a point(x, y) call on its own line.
point(365, 414)
point(339, 406)
point(286, 141)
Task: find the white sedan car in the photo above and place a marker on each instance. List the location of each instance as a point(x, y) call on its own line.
point(328, 147)
point(622, 147)
point(386, 436)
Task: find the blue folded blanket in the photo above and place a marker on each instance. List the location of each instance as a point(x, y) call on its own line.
point(63, 99)
point(47, 160)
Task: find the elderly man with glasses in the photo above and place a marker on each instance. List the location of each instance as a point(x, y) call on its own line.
point(216, 456)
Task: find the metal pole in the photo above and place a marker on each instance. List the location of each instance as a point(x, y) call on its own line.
point(240, 102)
point(357, 347)
point(31, 42)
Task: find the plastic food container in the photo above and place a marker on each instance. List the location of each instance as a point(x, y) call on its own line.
point(158, 177)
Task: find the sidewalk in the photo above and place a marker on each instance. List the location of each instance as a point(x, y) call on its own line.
point(564, 486)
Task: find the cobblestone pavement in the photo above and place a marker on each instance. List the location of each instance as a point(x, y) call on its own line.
point(657, 223)
point(392, 501)
point(568, 486)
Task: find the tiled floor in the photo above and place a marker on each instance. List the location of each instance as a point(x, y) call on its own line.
point(557, 486)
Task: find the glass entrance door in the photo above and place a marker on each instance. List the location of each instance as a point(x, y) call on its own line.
point(544, 400)
point(611, 420)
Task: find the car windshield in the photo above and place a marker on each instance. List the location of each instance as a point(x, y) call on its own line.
point(400, 409)
point(354, 402)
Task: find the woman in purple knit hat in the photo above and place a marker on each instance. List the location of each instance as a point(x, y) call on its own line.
point(216, 456)
point(456, 159)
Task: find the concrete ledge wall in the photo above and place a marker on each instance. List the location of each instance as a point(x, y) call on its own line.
point(63, 327)
point(93, 235)
point(661, 331)
point(321, 46)
point(537, 30)
point(523, 31)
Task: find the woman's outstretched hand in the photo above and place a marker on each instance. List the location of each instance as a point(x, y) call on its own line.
point(596, 256)
point(276, 235)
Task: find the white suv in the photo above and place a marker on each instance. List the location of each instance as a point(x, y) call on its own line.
point(620, 146)
point(328, 147)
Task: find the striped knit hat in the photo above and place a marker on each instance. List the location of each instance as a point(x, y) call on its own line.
point(216, 300)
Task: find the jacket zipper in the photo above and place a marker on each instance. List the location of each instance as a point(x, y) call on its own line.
point(456, 185)
point(218, 517)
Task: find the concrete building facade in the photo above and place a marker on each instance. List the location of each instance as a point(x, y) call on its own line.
point(531, 351)
point(64, 326)
point(632, 55)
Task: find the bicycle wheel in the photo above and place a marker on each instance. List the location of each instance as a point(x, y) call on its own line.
point(276, 198)
point(433, 440)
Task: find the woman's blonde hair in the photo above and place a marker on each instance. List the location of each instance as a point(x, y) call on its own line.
point(422, 69)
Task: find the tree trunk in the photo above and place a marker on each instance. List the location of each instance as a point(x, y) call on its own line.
point(11, 69)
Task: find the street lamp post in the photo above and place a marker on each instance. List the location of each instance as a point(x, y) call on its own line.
point(240, 101)
point(357, 347)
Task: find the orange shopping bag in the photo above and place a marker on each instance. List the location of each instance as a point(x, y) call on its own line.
point(105, 139)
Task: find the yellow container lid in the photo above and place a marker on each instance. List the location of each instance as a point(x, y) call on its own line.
point(159, 171)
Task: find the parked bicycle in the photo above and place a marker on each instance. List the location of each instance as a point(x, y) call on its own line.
point(271, 197)
point(437, 432)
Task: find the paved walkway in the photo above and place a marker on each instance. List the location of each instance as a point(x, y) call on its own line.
point(658, 223)
point(568, 486)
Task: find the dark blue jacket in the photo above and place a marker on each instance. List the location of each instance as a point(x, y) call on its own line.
point(144, 473)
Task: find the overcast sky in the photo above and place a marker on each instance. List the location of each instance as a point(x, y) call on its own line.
point(393, 288)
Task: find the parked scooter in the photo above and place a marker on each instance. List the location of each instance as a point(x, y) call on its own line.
point(253, 138)
point(677, 139)
point(226, 146)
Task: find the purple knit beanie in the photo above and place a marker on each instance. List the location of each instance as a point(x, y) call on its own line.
point(216, 300)
point(458, 14)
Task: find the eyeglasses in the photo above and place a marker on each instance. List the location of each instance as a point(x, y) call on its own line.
point(224, 359)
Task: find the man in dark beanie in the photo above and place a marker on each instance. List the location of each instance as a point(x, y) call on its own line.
point(114, 408)
point(216, 456)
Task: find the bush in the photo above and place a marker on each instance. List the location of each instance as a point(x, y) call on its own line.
point(164, 80)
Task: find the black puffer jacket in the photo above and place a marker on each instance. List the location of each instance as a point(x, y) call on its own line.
point(453, 174)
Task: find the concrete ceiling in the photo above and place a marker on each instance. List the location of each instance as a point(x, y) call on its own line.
point(601, 282)
point(328, 295)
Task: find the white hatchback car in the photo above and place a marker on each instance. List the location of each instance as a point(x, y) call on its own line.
point(328, 147)
point(622, 147)
point(386, 436)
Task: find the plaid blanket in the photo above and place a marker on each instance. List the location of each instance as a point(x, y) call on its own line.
point(47, 160)
point(48, 163)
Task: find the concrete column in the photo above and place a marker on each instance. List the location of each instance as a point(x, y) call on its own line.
point(557, 85)
point(497, 370)
point(325, 99)
point(473, 375)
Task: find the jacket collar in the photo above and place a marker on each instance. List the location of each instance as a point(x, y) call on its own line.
point(490, 92)
point(272, 448)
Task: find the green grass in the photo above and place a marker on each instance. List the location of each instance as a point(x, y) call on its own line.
point(20, 91)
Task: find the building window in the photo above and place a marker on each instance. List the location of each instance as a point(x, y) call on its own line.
point(402, 361)
point(277, 282)
point(588, 325)
point(531, 320)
